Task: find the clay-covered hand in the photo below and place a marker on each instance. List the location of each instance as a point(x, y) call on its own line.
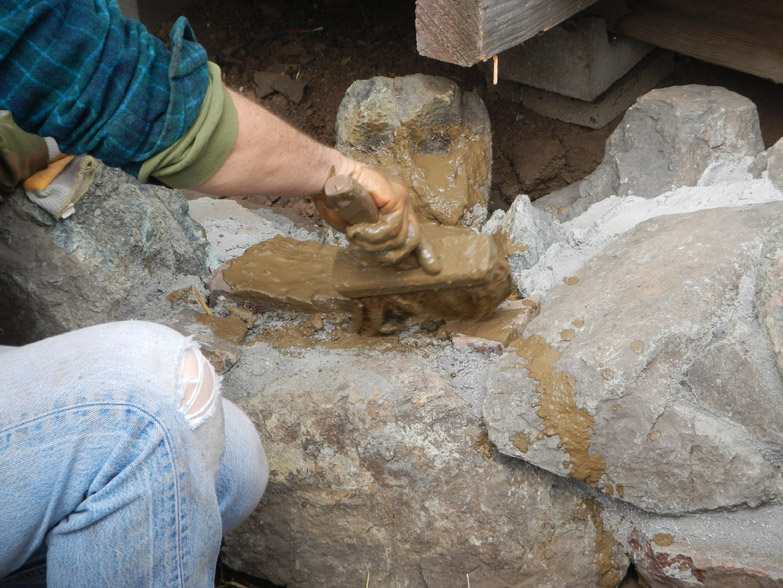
point(397, 232)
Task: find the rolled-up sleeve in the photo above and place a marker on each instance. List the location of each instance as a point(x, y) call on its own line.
point(76, 70)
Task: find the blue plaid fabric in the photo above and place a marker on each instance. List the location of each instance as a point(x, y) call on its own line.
point(76, 70)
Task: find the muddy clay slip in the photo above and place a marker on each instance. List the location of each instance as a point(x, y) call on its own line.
point(473, 279)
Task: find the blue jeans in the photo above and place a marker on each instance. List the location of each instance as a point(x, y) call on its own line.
point(120, 464)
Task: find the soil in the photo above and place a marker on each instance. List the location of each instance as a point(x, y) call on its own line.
point(323, 46)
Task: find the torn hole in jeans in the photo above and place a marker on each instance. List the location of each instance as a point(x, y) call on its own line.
point(200, 387)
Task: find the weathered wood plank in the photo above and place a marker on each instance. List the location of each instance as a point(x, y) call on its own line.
point(746, 36)
point(465, 32)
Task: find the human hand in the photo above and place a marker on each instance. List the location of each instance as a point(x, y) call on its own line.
point(392, 236)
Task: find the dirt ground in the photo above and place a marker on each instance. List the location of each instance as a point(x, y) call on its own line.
point(325, 45)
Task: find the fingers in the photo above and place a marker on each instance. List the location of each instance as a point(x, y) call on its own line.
point(388, 233)
point(428, 260)
point(411, 242)
point(389, 194)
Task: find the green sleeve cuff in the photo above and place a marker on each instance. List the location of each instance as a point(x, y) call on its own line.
point(200, 152)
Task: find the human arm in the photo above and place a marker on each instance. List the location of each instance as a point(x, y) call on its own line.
point(133, 104)
point(271, 157)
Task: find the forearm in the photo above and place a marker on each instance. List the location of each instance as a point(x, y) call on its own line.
point(272, 157)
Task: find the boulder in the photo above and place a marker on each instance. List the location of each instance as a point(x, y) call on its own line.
point(429, 134)
point(524, 233)
point(231, 229)
point(774, 164)
point(127, 247)
point(652, 373)
point(725, 549)
point(668, 139)
point(381, 469)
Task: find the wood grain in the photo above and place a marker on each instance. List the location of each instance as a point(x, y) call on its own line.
point(465, 32)
point(746, 36)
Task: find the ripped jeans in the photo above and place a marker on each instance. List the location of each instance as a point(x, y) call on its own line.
point(115, 464)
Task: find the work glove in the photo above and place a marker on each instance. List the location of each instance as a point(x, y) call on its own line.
point(396, 234)
point(59, 187)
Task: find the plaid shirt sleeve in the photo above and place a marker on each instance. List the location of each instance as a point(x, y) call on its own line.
point(76, 70)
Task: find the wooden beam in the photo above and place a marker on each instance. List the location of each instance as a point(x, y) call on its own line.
point(744, 35)
point(465, 32)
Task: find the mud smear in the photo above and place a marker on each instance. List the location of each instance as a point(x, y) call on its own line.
point(664, 539)
point(508, 246)
point(506, 324)
point(335, 333)
point(283, 273)
point(605, 544)
point(445, 168)
point(557, 408)
point(229, 328)
point(305, 276)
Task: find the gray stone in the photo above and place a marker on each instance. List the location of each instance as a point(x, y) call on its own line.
point(650, 376)
point(380, 466)
point(714, 549)
point(526, 233)
point(599, 112)
point(563, 204)
point(775, 164)
point(127, 247)
point(429, 134)
point(575, 59)
point(231, 228)
point(668, 139)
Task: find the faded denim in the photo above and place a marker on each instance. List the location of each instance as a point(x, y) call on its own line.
point(101, 470)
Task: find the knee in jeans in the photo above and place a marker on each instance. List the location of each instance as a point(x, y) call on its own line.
point(200, 387)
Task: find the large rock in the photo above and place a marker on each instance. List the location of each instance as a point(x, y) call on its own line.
point(380, 464)
point(651, 374)
point(124, 251)
point(523, 233)
point(668, 139)
point(428, 133)
point(231, 229)
point(726, 549)
point(774, 164)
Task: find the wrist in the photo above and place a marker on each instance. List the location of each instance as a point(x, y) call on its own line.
point(339, 164)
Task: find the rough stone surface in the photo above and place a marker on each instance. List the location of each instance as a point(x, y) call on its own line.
point(774, 164)
point(668, 139)
point(231, 228)
point(525, 233)
point(428, 133)
point(649, 375)
point(575, 59)
point(127, 247)
point(712, 549)
point(380, 461)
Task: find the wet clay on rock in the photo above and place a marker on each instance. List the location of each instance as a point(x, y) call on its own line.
point(474, 280)
point(444, 168)
point(283, 273)
point(557, 409)
point(302, 275)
